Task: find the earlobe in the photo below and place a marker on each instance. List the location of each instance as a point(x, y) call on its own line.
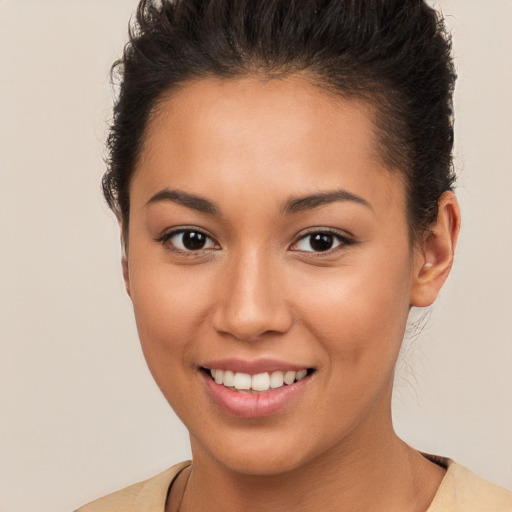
point(434, 257)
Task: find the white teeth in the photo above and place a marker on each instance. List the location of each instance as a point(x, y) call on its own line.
point(258, 382)
point(276, 380)
point(242, 381)
point(300, 375)
point(229, 378)
point(289, 377)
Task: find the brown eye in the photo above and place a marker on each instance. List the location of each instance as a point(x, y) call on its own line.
point(320, 241)
point(193, 240)
point(188, 240)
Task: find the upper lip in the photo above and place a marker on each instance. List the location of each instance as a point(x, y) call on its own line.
point(252, 367)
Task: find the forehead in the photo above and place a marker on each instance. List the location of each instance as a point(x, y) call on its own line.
point(227, 137)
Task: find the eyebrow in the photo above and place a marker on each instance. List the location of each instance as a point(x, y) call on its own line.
point(183, 198)
point(309, 202)
point(292, 205)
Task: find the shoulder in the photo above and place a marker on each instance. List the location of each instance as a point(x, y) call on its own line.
point(463, 491)
point(149, 495)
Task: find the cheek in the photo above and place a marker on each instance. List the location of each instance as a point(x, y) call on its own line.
point(163, 312)
point(359, 312)
point(170, 305)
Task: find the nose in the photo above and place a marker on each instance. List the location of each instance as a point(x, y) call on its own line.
point(252, 300)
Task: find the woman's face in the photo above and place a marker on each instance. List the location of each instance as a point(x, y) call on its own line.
point(266, 238)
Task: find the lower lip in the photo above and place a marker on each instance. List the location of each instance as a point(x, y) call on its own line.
point(254, 405)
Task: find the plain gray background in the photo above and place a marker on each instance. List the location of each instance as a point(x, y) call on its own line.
point(79, 413)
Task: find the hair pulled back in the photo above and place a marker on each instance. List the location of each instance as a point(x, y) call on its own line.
point(393, 53)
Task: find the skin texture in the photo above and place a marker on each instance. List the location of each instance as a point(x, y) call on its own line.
point(258, 290)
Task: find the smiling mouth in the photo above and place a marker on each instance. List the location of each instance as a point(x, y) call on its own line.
point(260, 382)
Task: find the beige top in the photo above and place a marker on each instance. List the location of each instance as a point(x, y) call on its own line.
point(460, 491)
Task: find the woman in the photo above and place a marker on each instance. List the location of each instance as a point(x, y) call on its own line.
point(282, 176)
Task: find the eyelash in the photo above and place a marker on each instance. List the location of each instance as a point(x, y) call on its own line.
point(166, 237)
point(342, 240)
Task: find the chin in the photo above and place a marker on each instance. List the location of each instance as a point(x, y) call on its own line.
point(260, 463)
point(266, 453)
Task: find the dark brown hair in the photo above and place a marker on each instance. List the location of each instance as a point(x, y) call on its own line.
point(394, 53)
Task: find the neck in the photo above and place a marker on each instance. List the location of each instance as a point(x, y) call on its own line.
point(368, 472)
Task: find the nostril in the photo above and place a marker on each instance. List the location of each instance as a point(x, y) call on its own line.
point(251, 324)
point(250, 303)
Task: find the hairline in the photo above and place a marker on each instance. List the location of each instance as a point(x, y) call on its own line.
point(369, 98)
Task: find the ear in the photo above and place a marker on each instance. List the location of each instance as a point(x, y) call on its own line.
point(434, 255)
point(125, 267)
